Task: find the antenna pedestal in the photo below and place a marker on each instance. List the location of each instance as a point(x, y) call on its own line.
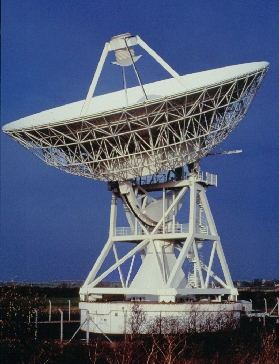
point(165, 260)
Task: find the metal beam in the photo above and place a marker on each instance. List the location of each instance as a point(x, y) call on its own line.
point(95, 80)
point(160, 61)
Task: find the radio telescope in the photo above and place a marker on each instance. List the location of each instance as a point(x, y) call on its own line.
point(147, 142)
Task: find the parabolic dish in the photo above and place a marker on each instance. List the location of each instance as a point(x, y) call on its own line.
point(117, 142)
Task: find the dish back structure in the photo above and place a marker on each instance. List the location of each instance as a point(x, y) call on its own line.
point(115, 140)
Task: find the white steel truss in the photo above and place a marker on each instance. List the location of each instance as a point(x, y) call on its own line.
point(165, 246)
point(146, 138)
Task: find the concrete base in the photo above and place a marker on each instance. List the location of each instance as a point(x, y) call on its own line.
point(143, 317)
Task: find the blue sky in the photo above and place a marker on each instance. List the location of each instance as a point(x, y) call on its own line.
point(55, 224)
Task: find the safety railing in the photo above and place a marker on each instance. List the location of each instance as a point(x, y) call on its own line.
point(206, 177)
point(176, 229)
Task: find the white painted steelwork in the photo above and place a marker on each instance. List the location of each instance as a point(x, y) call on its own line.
point(163, 245)
point(180, 122)
point(139, 139)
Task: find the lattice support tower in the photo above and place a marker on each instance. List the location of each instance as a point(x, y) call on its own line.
point(163, 244)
